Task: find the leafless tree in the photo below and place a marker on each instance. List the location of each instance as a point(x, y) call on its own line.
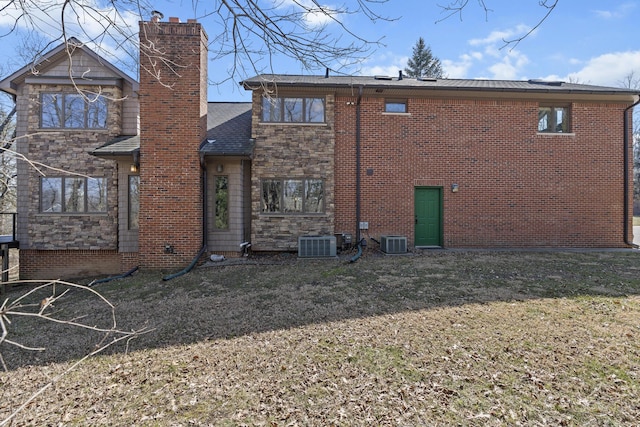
point(44, 302)
point(249, 32)
point(632, 81)
point(457, 7)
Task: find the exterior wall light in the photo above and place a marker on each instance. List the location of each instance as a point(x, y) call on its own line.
point(220, 168)
point(133, 168)
point(454, 188)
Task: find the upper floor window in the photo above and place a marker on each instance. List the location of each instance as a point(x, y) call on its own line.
point(395, 106)
point(293, 110)
point(292, 196)
point(72, 111)
point(73, 195)
point(553, 119)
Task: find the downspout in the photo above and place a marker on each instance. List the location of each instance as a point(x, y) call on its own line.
point(358, 237)
point(626, 175)
point(203, 249)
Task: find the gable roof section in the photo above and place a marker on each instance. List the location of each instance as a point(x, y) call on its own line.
point(121, 146)
point(10, 83)
point(229, 130)
point(228, 134)
point(384, 85)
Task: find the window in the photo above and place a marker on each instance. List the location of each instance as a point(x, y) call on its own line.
point(222, 202)
point(134, 202)
point(395, 106)
point(553, 119)
point(293, 110)
point(73, 195)
point(72, 111)
point(293, 196)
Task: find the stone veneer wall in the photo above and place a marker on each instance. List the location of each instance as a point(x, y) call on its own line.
point(68, 151)
point(289, 151)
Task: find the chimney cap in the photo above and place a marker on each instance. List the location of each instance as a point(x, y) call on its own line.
point(156, 15)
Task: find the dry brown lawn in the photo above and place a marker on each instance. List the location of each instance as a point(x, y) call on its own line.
point(433, 339)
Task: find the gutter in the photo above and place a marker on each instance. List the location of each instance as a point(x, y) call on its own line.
point(627, 185)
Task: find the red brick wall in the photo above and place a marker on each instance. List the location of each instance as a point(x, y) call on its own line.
point(517, 188)
point(172, 125)
point(51, 265)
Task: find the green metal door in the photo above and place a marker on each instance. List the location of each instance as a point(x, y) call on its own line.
point(428, 216)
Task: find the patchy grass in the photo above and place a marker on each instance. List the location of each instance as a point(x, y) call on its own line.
point(440, 338)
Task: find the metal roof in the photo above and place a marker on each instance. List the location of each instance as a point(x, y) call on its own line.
point(407, 83)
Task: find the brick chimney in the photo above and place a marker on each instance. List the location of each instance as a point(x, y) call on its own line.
point(173, 118)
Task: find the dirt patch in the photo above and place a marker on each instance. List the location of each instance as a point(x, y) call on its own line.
point(441, 338)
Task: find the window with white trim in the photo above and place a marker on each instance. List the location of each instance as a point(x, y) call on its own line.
point(395, 106)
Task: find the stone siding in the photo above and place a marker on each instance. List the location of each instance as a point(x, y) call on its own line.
point(68, 152)
point(291, 151)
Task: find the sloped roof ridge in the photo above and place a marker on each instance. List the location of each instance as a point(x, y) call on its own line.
point(6, 83)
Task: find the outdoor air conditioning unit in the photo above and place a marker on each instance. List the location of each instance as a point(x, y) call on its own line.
point(316, 246)
point(393, 244)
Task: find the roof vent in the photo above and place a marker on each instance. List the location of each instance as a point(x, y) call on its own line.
point(400, 75)
point(382, 77)
point(427, 79)
point(545, 82)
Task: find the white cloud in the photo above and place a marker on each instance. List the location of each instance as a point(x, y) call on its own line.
point(314, 15)
point(609, 69)
point(497, 39)
point(390, 67)
point(619, 12)
point(491, 56)
point(459, 69)
point(102, 28)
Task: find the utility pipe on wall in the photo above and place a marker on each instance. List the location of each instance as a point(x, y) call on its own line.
point(360, 89)
point(626, 175)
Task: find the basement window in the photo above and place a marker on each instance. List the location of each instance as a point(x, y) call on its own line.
point(293, 196)
point(553, 119)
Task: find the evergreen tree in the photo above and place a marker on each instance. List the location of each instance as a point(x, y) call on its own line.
point(423, 63)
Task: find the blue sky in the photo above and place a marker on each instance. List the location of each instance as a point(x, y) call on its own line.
point(588, 41)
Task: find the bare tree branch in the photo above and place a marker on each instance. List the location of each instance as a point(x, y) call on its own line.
point(456, 7)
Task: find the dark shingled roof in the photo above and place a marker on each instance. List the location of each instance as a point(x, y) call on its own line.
point(229, 129)
point(120, 146)
point(228, 134)
point(539, 86)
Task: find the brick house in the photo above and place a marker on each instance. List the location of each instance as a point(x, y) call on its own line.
point(150, 174)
